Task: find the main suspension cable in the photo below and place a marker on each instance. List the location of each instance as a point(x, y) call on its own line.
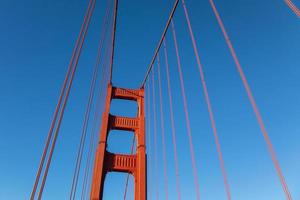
point(160, 42)
point(114, 28)
point(208, 102)
point(253, 102)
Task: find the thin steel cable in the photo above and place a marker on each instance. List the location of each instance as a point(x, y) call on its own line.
point(253, 102)
point(176, 162)
point(155, 137)
point(63, 106)
point(162, 128)
point(208, 102)
point(293, 7)
point(186, 112)
point(58, 106)
point(83, 135)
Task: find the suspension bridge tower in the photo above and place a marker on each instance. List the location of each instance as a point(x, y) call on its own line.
point(134, 164)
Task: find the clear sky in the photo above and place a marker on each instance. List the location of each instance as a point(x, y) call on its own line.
point(37, 38)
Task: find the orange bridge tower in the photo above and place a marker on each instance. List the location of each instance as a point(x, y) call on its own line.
point(134, 164)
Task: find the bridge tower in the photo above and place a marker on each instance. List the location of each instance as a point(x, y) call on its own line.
point(106, 161)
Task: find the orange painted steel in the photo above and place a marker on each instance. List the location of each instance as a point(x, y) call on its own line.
point(134, 164)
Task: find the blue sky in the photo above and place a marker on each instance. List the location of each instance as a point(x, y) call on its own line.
point(37, 38)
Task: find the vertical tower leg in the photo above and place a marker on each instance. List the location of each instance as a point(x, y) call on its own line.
point(99, 172)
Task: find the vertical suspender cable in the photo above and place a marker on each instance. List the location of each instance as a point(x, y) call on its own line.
point(162, 128)
point(62, 94)
point(172, 123)
point(208, 102)
point(189, 131)
point(155, 137)
point(64, 105)
point(252, 101)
